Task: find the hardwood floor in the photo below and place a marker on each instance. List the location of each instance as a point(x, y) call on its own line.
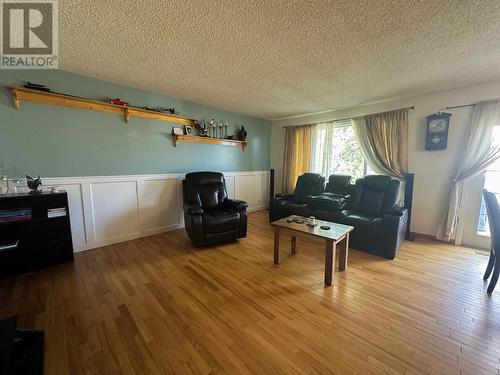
point(156, 305)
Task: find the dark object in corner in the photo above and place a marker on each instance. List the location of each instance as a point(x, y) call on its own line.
point(34, 184)
point(409, 177)
point(21, 351)
point(210, 216)
point(493, 211)
point(242, 134)
point(271, 184)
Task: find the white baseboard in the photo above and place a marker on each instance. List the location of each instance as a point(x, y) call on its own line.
point(109, 209)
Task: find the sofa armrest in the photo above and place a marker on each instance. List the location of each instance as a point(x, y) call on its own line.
point(193, 209)
point(235, 204)
point(394, 231)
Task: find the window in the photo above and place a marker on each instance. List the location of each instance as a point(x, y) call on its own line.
point(336, 150)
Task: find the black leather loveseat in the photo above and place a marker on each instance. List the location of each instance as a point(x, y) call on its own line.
point(369, 206)
point(210, 216)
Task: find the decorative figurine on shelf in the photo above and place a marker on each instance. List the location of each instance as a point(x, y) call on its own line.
point(205, 129)
point(242, 134)
point(212, 124)
point(34, 184)
point(201, 128)
point(118, 101)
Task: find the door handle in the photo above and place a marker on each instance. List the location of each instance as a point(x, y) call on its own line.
point(9, 246)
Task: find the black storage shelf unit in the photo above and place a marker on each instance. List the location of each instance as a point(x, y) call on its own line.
point(34, 240)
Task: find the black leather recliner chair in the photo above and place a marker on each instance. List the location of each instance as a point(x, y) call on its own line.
point(210, 216)
point(307, 186)
point(379, 225)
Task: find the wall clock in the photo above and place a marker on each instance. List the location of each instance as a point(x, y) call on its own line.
point(437, 131)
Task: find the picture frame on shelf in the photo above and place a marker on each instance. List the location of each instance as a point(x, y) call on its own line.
point(177, 130)
point(188, 129)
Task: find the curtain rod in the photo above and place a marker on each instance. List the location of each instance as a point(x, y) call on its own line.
point(460, 106)
point(368, 114)
point(472, 104)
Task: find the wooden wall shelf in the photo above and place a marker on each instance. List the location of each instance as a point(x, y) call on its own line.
point(208, 140)
point(21, 93)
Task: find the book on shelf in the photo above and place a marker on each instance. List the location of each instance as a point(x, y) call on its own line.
point(56, 212)
point(15, 215)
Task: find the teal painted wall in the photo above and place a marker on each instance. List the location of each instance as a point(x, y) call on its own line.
point(60, 142)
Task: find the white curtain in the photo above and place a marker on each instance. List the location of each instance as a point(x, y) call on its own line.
point(322, 148)
point(476, 154)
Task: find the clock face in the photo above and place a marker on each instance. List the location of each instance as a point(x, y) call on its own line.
point(438, 125)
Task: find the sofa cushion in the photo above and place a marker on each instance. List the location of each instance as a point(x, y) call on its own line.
point(292, 208)
point(220, 221)
point(328, 202)
point(365, 225)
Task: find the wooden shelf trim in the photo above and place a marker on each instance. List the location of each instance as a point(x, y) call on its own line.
point(208, 140)
point(21, 93)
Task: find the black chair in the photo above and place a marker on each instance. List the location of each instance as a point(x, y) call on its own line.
point(379, 224)
point(494, 221)
point(210, 216)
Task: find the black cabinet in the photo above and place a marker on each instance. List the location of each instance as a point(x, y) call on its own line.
point(35, 232)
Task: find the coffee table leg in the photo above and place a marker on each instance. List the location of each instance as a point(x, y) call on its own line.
point(329, 261)
point(344, 253)
point(294, 245)
point(277, 245)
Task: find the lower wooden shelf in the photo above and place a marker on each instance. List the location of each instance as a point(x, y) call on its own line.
point(213, 141)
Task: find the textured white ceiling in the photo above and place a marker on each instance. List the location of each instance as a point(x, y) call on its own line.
point(273, 59)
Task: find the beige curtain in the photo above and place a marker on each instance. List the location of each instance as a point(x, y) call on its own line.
point(297, 155)
point(383, 138)
point(476, 154)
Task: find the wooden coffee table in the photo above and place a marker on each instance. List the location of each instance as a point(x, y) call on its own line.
point(338, 234)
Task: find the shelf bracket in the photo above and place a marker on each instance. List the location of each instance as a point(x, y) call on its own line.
point(15, 100)
point(126, 115)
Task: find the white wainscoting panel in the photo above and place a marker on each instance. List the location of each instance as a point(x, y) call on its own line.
point(230, 186)
point(245, 188)
point(110, 209)
point(115, 210)
point(77, 217)
point(160, 205)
